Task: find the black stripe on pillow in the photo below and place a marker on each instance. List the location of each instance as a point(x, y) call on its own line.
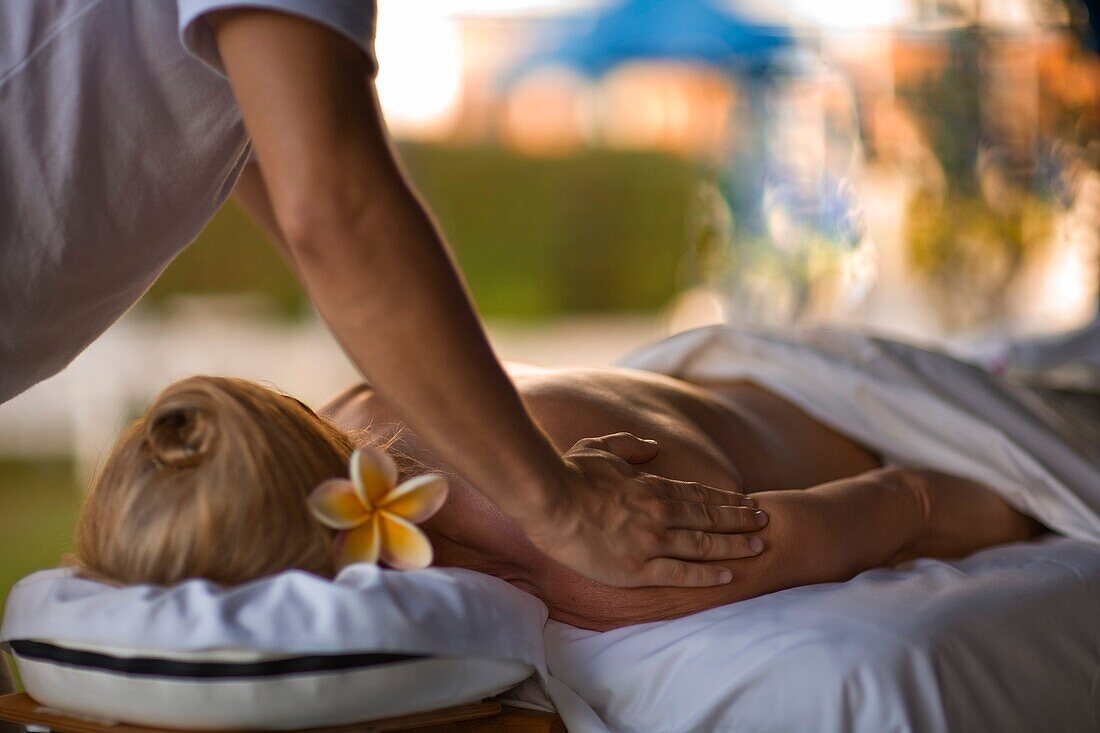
point(158, 667)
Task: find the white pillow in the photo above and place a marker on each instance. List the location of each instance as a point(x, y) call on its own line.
point(289, 651)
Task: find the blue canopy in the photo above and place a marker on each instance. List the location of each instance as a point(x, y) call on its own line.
point(683, 30)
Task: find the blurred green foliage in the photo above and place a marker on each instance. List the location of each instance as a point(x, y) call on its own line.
point(972, 223)
point(38, 505)
point(230, 256)
point(970, 253)
point(535, 237)
point(948, 106)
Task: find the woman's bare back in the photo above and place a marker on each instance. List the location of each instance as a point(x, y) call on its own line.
point(833, 510)
point(732, 435)
point(736, 436)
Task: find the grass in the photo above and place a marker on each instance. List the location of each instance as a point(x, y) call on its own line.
point(38, 505)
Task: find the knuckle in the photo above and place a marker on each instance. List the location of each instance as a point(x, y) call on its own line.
point(661, 510)
point(650, 534)
point(704, 543)
point(712, 516)
point(678, 573)
point(580, 446)
point(735, 499)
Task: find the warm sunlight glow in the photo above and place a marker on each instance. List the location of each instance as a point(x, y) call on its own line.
point(678, 108)
point(1067, 296)
point(545, 113)
point(694, 308)
point(505, 7)
point(850, 13)
point(420, 67)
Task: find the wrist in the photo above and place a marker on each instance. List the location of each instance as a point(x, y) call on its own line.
point(538, 495)
point(916, 508)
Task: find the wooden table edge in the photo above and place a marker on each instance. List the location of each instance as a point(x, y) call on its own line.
point(21, 709)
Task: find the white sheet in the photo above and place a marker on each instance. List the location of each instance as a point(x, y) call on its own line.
point(1006, 640)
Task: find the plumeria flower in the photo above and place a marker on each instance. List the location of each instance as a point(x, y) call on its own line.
point(377, 518)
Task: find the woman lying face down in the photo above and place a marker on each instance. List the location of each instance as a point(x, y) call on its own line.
point(212, 483)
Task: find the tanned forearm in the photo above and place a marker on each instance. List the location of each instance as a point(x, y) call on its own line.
point(378, 272)
point(446, 359)
point(251, 196)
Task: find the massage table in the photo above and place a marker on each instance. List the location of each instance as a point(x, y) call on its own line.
point(1005, 640)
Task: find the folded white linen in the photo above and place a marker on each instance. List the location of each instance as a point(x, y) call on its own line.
point(915, 407)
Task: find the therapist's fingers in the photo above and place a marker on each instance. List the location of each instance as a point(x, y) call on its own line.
point(626, 446)
point(686, 544)
point(663, 571)
point(710, 518)
point(696, 492)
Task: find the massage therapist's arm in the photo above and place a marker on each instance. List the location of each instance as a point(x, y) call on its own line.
point(251, 195)
point(375, 266)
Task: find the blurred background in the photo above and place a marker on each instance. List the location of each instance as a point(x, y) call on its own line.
point(612, 171)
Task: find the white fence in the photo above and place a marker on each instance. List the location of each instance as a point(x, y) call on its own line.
point(80, 411)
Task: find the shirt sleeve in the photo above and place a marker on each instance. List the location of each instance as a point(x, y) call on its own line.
point(354, 19)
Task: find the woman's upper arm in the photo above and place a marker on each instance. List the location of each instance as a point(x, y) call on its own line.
point(827, 533)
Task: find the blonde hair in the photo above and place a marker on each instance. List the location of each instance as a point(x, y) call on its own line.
point(212, 483)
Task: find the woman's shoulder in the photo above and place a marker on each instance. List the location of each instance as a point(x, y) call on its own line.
point(350, 410)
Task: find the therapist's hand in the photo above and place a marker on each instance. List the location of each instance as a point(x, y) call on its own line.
point(622, 527)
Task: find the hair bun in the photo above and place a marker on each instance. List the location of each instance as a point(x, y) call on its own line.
point(180, 436)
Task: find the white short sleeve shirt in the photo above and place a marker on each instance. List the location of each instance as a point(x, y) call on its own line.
point(119, 140)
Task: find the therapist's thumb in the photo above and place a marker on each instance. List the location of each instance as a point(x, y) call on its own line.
point(630, 448)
